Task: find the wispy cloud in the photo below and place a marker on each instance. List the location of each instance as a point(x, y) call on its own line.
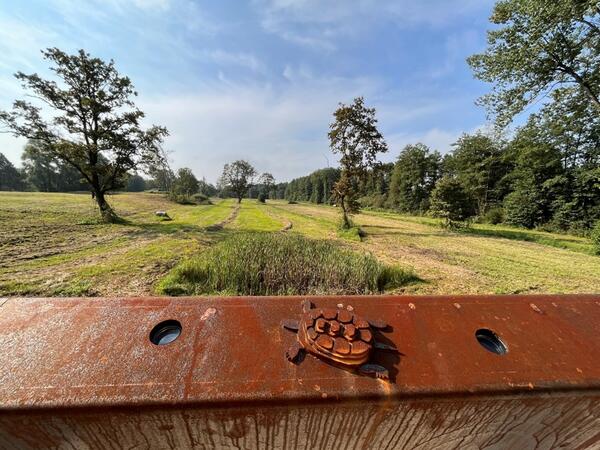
point(279, 129)
point(319, 23)
point(246, 60)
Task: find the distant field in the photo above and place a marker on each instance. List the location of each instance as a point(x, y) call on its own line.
point(52, 244)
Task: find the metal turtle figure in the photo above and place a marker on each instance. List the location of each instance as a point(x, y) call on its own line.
point(339, 336)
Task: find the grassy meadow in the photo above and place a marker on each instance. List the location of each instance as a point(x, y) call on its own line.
point(52, 244)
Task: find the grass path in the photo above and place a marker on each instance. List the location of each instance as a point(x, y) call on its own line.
point(52, 244)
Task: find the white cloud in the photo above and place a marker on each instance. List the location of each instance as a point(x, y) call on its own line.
point(318, 23)
point(282, 130)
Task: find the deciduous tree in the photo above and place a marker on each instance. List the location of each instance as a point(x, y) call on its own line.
point(415, 174)
point(10, 177)
point(237, 177)
point(267, 181)
point(539, 45)
point(87, 119)
point(478, 162)
point(451, 202)
point(355, 137)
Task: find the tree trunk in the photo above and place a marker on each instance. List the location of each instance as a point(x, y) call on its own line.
point(107, 213)
point(345, 220)
point(239, 200)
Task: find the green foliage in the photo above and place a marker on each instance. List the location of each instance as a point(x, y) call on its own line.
point(315, 188)
point(451, 201)
point(90, 122)
point(10, 177)
point(536, 46)
point(200, 199)
point(494, 215)
point(262, 197)
point(524, 207)
point(162, 177)
point(185, 184)
point(281, 264)
point(355, 137)
point(479, 163)
point(47, 173)
point(135, 183)
point(353, 233)
point(237, 178)
point(595, 236)
point(415, 174)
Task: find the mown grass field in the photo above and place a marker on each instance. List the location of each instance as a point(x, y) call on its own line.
point(52, 244)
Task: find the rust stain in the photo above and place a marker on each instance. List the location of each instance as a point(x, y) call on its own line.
point(69, 364)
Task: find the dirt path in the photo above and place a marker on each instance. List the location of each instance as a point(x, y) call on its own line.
point(220, 225)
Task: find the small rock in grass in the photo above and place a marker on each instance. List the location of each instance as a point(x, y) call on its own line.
point(163, 214)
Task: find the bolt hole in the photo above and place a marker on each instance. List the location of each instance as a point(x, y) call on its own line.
point(491, 341)
point(165, 332)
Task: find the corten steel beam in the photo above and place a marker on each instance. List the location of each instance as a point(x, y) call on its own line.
point(83, 373)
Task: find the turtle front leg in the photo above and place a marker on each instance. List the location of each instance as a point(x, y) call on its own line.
point(306, 305)
point(295, 353)
point(289, 324)
point(378, 324)
point(374, 370)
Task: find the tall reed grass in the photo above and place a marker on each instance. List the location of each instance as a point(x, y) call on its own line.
point(281, 264)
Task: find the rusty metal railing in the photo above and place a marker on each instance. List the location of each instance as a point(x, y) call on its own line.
point(461, 372)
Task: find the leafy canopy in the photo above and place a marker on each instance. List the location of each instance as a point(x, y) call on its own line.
point(415, 174)
point(355, 137)
point(237, 177)
point(539, 45)
point(87, 119)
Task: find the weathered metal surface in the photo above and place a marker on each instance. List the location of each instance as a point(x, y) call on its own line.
point(83, 373)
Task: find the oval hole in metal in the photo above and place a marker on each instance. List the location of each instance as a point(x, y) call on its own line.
point(491, 341)
point(165, 332)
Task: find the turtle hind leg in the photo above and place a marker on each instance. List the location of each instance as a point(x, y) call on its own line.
point(386, 347)
point(295, 353)
point(374, 370)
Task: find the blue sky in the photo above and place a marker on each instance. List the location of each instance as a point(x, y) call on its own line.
point(260, 80)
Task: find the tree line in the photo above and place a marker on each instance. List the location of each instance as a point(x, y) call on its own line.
point(540, 54)
point(547, 174)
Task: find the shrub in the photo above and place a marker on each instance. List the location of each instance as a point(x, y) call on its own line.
point(281, 264)
point(262, 197)
point(595, 236)
point(494, 216)
point(182, 199)
point(522, 208)
point(201, 199)
point(451, 202)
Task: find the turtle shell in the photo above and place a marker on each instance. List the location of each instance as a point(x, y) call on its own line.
point(336, 334)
